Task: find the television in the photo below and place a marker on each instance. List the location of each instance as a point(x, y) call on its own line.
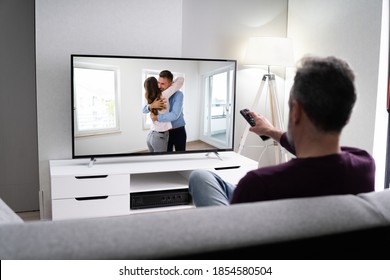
point(108, 98)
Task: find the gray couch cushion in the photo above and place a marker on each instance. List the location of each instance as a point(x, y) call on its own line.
point(7, 215)
point(177, 233)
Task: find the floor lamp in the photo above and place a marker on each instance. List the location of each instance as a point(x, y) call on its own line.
point(268, 51)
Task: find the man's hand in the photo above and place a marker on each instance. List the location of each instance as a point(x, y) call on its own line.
point(264, 127)
point(158, 104)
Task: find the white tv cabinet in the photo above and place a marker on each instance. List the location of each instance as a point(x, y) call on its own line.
point(79, 190)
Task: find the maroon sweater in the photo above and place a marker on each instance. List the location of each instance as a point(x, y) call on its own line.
point(350, 172)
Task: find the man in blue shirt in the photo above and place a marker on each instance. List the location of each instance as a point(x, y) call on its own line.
point(177, 135)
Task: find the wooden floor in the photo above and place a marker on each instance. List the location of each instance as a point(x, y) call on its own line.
point(198, 145)
point(194, 145)
point(29, 216)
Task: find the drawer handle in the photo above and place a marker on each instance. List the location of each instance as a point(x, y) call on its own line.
point(91, 198)
point(91, 177)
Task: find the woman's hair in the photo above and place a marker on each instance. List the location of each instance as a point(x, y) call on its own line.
point(152, 92)
point(325, 88)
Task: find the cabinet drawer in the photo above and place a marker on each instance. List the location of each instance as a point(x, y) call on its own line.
point(90, 207)
point(88, 186)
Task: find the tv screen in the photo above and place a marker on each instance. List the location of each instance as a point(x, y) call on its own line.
point(108, 104)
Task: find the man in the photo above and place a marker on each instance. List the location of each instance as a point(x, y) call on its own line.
point(177, 135)
point(320, 104)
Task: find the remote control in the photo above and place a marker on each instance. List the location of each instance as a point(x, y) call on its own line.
point(251, 121)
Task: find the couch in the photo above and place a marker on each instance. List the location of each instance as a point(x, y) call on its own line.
point(330, 227)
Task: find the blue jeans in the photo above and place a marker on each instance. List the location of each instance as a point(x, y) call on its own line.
point(208, 189)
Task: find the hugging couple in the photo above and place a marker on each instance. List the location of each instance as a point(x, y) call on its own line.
point(165, 105)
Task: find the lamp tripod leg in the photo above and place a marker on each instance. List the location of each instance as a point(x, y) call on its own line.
point(274, 106)
point(277, 118)
point(256, 101)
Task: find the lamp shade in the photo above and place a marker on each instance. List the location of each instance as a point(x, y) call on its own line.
point(270, 51)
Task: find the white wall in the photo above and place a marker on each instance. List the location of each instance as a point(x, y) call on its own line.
point(349, 29)
point(220, 28)
point(381, 118)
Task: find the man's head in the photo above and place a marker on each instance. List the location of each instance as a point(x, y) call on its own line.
point(324, 89)
point(165, 79)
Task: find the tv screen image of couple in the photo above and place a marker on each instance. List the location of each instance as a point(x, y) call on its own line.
point(108, 104)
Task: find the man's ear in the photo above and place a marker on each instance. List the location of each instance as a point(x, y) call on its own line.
point(296, 111)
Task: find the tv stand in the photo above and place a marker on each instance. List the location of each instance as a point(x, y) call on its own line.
point(79, 191)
